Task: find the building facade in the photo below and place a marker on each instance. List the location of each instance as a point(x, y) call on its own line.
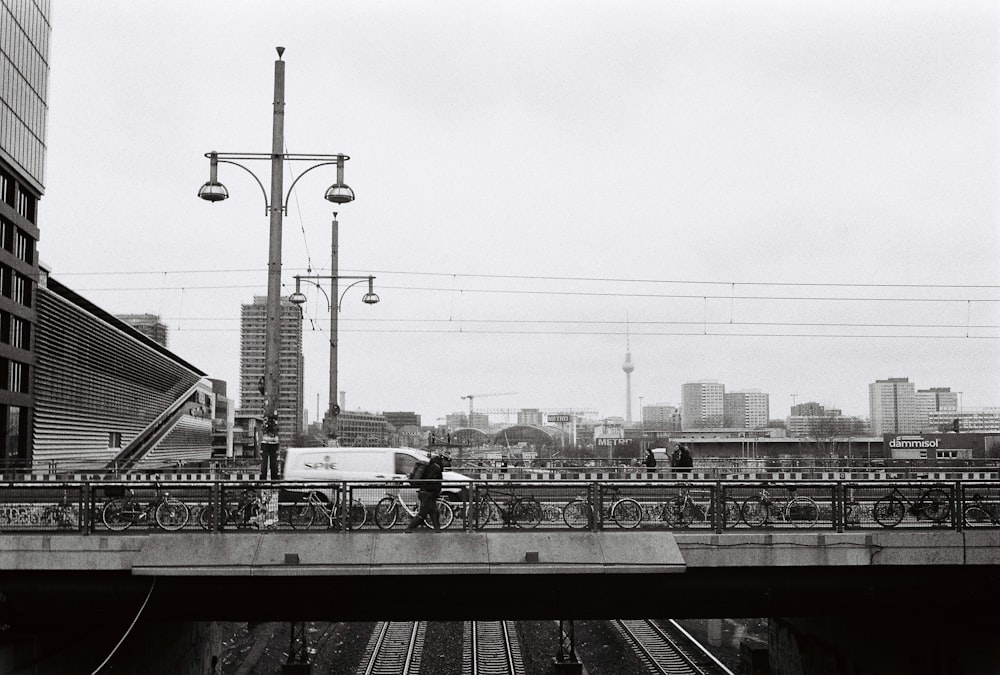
point(149, 325)
point(661, 418)
point(893, 406)
point(934, 400)
point(361, 429)
point(24, 61)
point(702, 405)
point(746, 409)
point(291, 392)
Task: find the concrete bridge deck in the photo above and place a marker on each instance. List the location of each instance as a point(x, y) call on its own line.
point(267, 576)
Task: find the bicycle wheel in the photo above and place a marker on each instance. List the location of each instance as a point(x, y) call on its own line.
point(889, 511)
point(171, 514)
point(935, 505)
point(206, 516)
point(482, 512)
point(386, 513)
point(627, 513)
point(357, 514)
point(731, 513)
point(299, 516)
point(526, 513)
point(446, 515)
point(976, 516)
point(801, 512)
point(755, 512)
point(576, 514)
point(691, 513)
point(117, 514)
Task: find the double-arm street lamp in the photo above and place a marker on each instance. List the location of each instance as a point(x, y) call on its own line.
point(335, 300)
point(276, 206)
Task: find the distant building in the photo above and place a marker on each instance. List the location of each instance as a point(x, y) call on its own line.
point(746, 409)
point(479, 421)
point(402, 419)
point(24, 58)
point(661, 418)
point(973, 419)
point(253, 338)
point(702, 405)
point(530, 416)
point(935, 399)
point(893, 406)
point(147, 324)
point(361, 429)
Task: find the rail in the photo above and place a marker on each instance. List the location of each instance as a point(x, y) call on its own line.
point(86, 507)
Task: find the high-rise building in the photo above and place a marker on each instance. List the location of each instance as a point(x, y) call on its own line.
point(402, 419)
point(253, 340)
point(147, 324)
point(661, 417)
point(702, 405)
point(24, 60)
point(746, 409)
point(892, 404)
point(530, 416)
point(935, 399)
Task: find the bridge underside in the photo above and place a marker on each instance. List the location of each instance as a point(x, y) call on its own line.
point(459, 576)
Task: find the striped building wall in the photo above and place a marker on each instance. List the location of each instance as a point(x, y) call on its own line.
point(99, 384)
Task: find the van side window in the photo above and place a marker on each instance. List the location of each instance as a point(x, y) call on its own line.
point(404, 464)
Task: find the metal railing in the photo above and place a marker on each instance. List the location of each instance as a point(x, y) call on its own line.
point(86, 507)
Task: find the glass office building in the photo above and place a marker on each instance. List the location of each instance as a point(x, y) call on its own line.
point(24, 74)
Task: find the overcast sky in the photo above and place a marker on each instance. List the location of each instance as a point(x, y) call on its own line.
point(794, 197)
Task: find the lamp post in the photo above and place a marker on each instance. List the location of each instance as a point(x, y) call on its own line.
point(334, 301)
point(276, 207)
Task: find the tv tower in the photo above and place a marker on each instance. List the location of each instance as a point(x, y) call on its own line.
point(628, 367)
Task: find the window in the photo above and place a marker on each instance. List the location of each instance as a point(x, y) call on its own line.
point(115, 439)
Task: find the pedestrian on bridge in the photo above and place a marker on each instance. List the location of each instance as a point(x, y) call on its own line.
point(650, 459)
point(428, 491)
point(269, 448)
point(682, 460)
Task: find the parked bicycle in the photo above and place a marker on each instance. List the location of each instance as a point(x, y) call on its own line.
point(980, 512)
point(317, 506)
point(933, 504)
point(626, 512)
point(683, 510)
point(516, 511)
point(247, 512)
point(766, 509)
point(392, 508)
point(121, 513)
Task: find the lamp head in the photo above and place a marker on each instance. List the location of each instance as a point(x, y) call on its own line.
point(370, 298)
point(339, 193)
point(297, 298)
point(213, 191)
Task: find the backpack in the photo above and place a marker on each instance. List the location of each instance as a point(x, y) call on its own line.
point(417, 474)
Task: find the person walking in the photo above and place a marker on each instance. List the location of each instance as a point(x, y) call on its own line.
point(428, 491)
point(650, 459)
point(684, 461)
point(269, 448)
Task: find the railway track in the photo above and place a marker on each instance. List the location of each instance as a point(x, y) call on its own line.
point(493, 649)
point(395, 648)
point(657, 649)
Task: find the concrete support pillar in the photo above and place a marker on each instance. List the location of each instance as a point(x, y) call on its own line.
point(934, 643)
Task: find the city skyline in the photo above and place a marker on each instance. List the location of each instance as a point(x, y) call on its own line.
point(797, 198)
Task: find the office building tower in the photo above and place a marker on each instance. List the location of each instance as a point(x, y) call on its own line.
point(746, 409)
point(892, 405)
point(702, 405)
point(253, 341)
point(933, 400)
point(24, 60)
point(147, 324)
point(661, 417)
point(530, 416)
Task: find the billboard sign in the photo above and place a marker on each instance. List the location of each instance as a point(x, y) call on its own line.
point(560, 418)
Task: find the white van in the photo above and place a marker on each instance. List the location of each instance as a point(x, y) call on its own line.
point(364, 464)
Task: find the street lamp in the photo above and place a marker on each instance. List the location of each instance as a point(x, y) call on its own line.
point(275, 207)
point(334, 301)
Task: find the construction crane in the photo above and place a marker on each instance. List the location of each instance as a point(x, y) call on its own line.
point(471, 397)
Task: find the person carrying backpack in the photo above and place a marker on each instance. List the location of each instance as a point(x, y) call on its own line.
point(428, 490)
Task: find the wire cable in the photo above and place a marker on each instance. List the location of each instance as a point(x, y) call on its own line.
point(129, 629)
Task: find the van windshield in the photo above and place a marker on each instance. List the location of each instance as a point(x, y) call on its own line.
point(404, 464)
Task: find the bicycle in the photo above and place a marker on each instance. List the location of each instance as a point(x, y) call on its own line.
point(121, 513)
point(392, 507)
point(302, 516)
point(246, 513)
point(682, 510)
point(933, 504)
point(521, 512)
point(626, 512)
point(981, 512)
point(765, 509)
